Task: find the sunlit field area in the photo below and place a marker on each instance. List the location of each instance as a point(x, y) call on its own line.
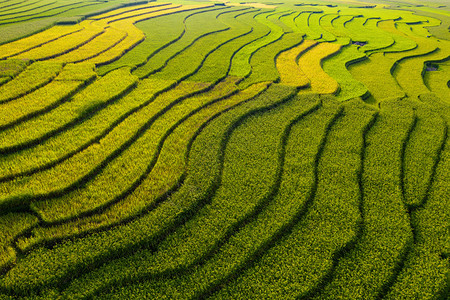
point(224, 150)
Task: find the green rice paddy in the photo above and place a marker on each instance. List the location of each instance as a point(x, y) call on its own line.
point(224, 150)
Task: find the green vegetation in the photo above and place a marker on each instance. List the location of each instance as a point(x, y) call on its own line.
point(189, 61)
point(237, 251)
point(77, 72)
point(11, 225)
point(217, 65)
point(425, 274)
point(437, 81)
point(34, 77)
point(267, 33)
point(302, 21)
point(375, 73)
point(263, 61)
point(311, 64)
point(44, 99)
point(409, 72)
point(83, 104)
point(421, 154)
point(386, 232)
point(32, 104)
point(59, 264)
point(137, 201)
point(140, 152)
point(133, 35)
point(328, 217)
point(10, 68)
point(337, 66)
point(290, 72)
point(225, 150)
point(34, 24)
point(86, 134)
point(198, 25)
point(160, 32)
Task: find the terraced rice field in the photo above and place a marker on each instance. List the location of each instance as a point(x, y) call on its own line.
point(224, 150)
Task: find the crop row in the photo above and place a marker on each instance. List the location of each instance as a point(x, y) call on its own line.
point(134, 35)
point(100, 40)
point(437, 81)
point(218, 63)
point(170, 165)
point(411, 72)
point(425, 270)
point(311, 65)
point(44, 99)
point(12, 225)
point(72, 159)
point(160, 32)
point(37, 40)
point(42, 127)
point(268, 33)
point(100, 120)
point(384, 36)
point(62, 44)
point(197, 25)
point(337, 67)
point(10, 69)
point(39, 11)
point(189, 61)
point(164, 100)
point(297, 255)
point(231, 152)
point(128, 10)
point(302, 21)
point(32, 78)
point(290, 72)
point(82, 130)
point(129, 235)
point(255, 144)
point(144, 153)
point(236, 251)
point(386, 235)
point(41, 23)
point(63, 145)
point(205, 276)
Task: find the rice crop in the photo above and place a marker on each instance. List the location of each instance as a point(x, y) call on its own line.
point(224, 150)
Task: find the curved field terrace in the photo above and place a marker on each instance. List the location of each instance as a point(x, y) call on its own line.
point(224, 150)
